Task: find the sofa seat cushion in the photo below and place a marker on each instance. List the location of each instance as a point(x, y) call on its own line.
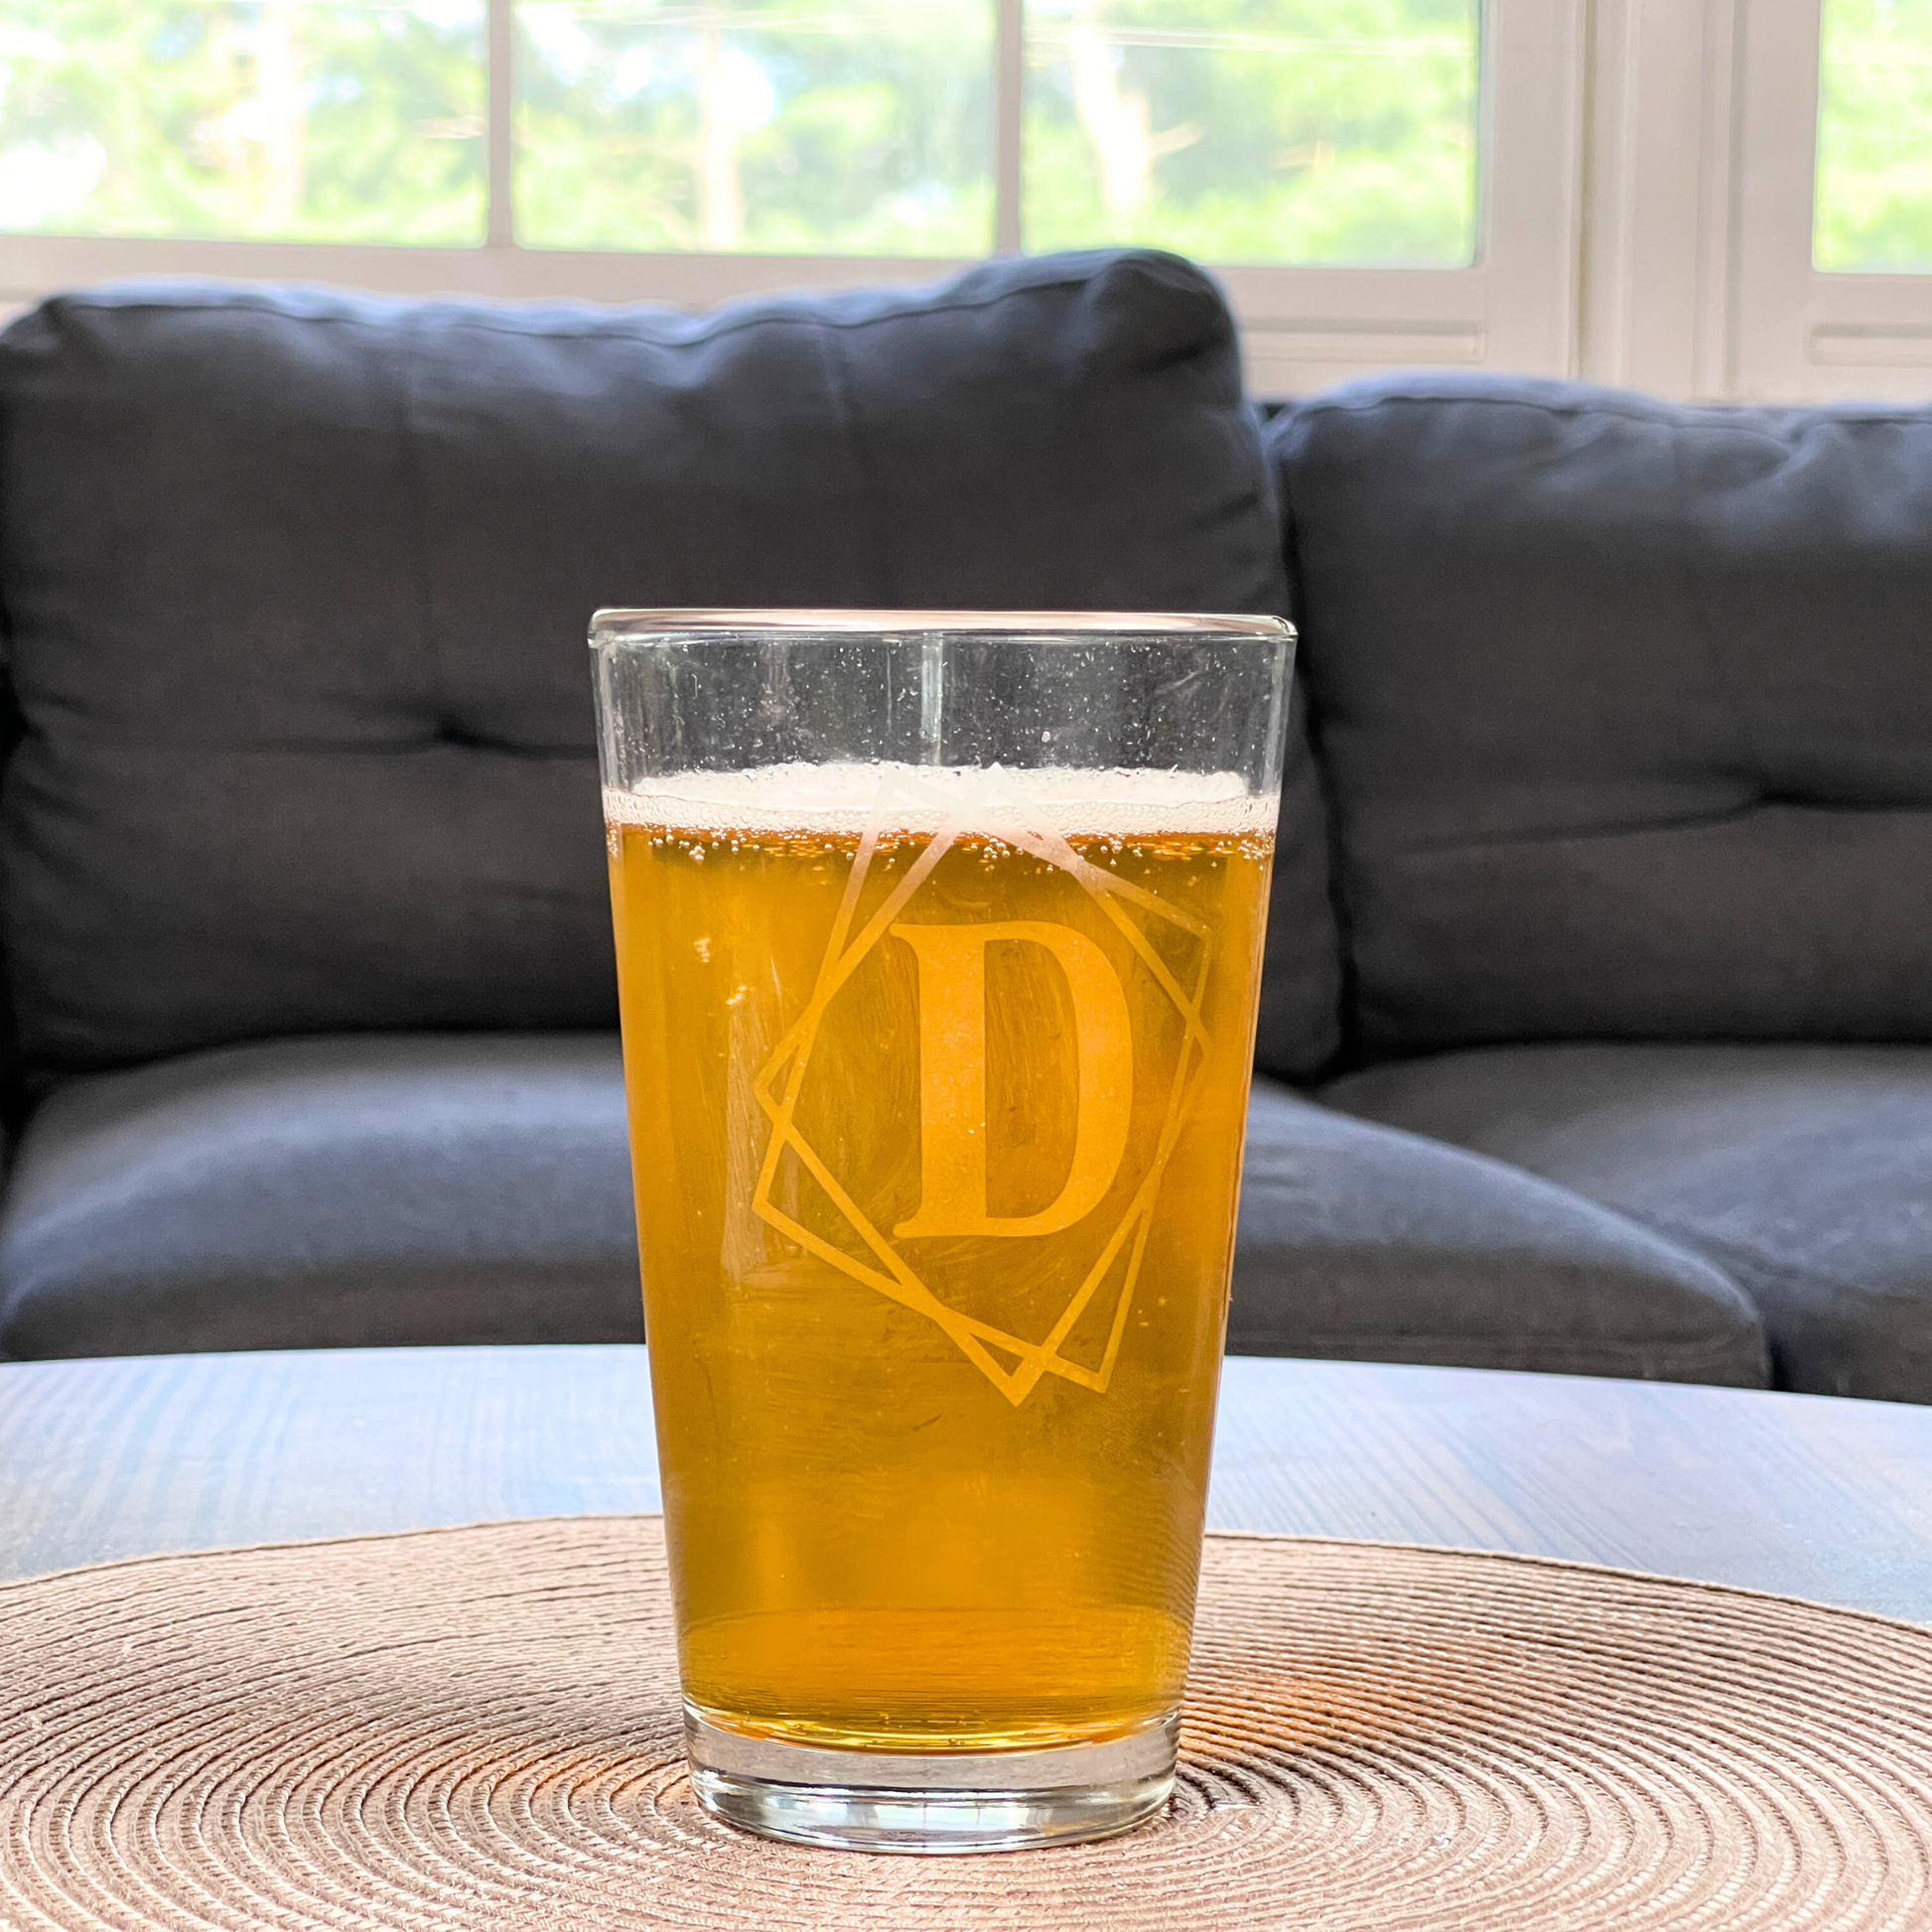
point(1804, 1171)
point(426, 1188)
point(407, 1188)
point(1367, 1243)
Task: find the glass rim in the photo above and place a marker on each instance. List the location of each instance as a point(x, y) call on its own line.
point(619, 624)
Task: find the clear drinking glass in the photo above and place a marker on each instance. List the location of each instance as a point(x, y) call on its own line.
point(939, 945)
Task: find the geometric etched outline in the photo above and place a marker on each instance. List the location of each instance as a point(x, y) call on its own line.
point(992, 797)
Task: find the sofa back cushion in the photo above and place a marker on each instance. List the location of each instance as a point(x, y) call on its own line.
point(1625, 710)
point(298, 584)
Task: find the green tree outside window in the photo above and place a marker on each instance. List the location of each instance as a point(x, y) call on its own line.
point(1290, 131)
point(1874, 136)
point(283, 119)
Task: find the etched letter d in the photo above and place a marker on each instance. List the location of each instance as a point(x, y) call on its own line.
point(952, 1076)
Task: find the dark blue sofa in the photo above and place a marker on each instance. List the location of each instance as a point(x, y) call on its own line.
point(1601, 953)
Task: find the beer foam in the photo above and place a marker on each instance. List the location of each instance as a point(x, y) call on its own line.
point(847, 800)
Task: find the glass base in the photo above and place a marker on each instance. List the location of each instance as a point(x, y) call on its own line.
point(930, 1801)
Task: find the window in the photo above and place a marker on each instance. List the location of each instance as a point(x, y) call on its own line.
point(1832, 275)
point(793, 127)
point(1331, 131)
point(1380, 179)
point(1874, 136)
point(1248, 130)
point(277, 119)
point(1288, 131)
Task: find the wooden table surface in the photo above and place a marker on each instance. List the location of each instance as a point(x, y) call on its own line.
point(1820, 1498)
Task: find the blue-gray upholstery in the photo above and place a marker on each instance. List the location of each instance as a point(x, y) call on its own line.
point(467, 1188)
point(365, 1188)
point(1616, 726)
point(1804, 1172)
point(1624, 710)
point(1623, 714)
point(298, 584)
point(1367, 1243)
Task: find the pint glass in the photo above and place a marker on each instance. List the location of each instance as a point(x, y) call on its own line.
point(940, 942)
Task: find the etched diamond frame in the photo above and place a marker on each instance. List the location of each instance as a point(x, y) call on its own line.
point(1000, 800)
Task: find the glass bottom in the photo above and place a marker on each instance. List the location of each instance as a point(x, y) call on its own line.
point(930, 1801)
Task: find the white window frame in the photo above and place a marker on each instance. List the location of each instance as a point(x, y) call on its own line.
point(1697, 274)
point(1654, 295)
point(1803, 332)
point(1515, 307)
point(1645, 221)
point(1301, 328)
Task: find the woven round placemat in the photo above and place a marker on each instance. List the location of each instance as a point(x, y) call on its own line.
point(478, 1728)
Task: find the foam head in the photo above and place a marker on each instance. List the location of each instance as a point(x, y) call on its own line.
point(849, 800)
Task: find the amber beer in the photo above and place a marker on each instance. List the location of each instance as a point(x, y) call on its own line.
point(937, 1084)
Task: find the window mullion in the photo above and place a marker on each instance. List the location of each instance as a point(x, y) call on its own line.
point(499, 122)
point(1009, 106)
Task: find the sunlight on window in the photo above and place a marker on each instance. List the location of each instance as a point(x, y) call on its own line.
point(1874, 136)
point(311, 120)
point(1295, 131)
point(1268, 131)
point(755, 125)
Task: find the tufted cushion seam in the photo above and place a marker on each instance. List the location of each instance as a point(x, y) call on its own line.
point(1344, 1046)
point(430, 737)
point(1679, 1357)
point(1680, 560)
point(838, 389)
point(409, 462)
point(1638, 828)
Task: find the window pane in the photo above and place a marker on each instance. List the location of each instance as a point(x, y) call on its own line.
point(1255, 130)
point(315, 120)
point(1874, 136)
point(755, 125)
